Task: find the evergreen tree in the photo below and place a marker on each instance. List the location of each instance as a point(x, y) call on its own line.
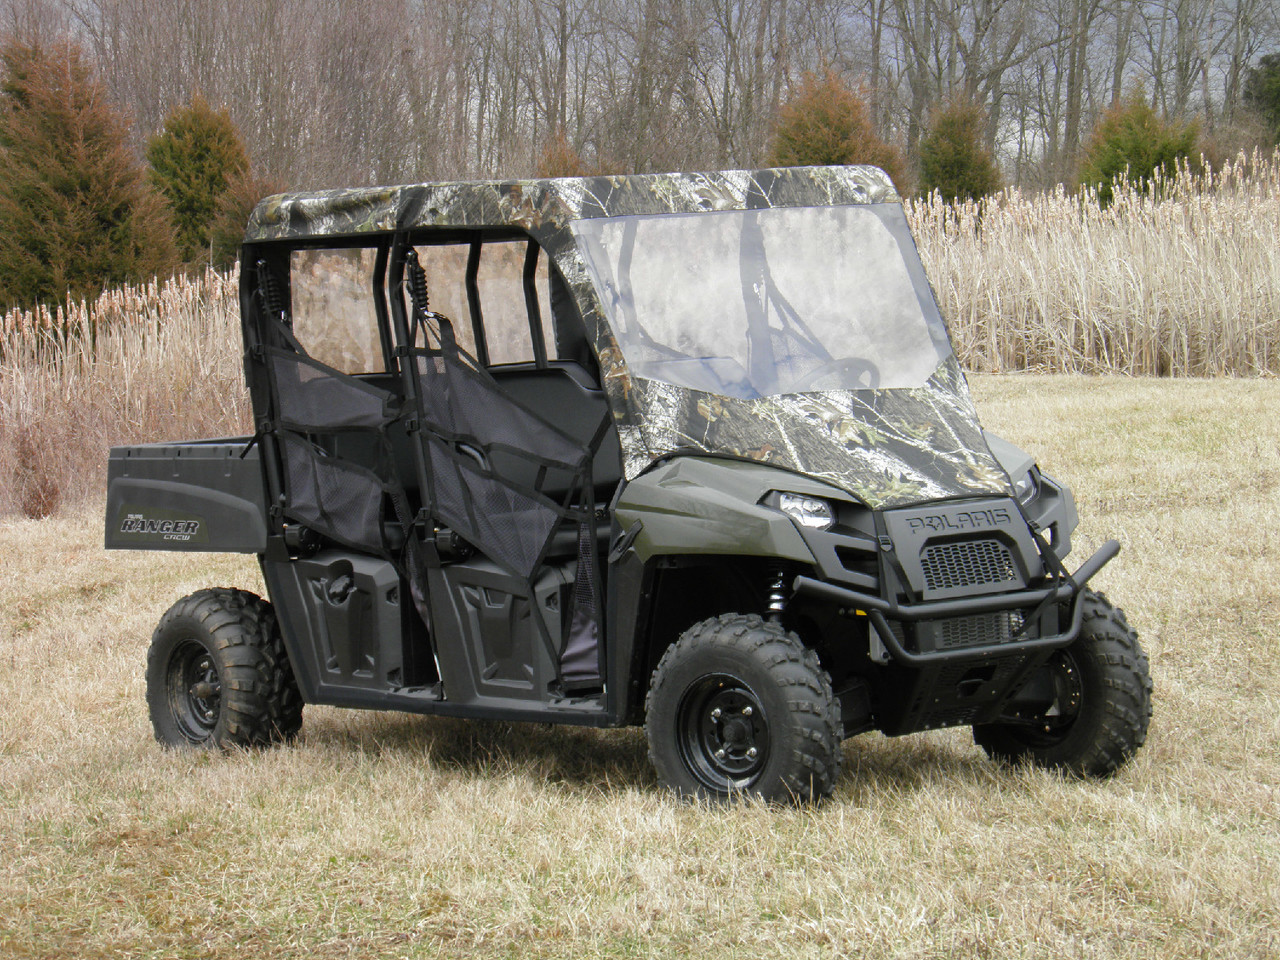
point(828, 124)
point(1262, 93)
point(235, 203)
point(75, 210)
point(193, 159)
point(1130, 141)
point(953, 159)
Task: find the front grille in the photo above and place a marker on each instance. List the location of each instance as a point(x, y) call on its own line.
point(957, 632)
point(967, 563)
point(981, 628)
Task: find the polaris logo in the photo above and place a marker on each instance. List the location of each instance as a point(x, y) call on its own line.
point(961, 521)
point(170, 529)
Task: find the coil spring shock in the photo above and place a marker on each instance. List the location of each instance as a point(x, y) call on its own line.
point(417, 283)
point(269, 289)
point(779, 594)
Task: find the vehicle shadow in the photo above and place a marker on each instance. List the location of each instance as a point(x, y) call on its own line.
point(583, 758)
point(578, 757)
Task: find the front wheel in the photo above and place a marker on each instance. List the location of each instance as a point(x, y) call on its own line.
point(738, 705)
point(1098, 702)
point(218, 674)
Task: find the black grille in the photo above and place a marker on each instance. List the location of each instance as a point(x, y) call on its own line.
point(966, 564)
point(981, 628)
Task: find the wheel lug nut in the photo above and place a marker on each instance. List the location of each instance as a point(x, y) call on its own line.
point(746, 711)
point(751, 754)
point(720, 754)
point(715, 714)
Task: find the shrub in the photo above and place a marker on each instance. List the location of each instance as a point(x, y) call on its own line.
point(828, 124)
point(1130, 142)
point(35, 483)
point(226, 230)
point(76, 214)
point(137, 363)
point(559, 159)
point(1262, 93)
point(193, 161)
point(953, 158)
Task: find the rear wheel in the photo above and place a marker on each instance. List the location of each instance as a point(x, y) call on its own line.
point(1099, 702)
point(738, 705)
point(218, 674)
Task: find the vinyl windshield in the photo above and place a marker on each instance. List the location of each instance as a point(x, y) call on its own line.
point(755, 303)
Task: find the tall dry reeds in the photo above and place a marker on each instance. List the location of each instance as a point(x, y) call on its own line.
point(158, 361)
point(1182, 281)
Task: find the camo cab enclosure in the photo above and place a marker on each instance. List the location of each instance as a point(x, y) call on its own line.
point(686, 450)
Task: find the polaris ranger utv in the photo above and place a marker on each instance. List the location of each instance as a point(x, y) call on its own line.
point(687, 451)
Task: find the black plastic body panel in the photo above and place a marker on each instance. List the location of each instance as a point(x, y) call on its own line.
point(355, 640)
point(953, 693)
point(341, 618)
point(201, 495)
point(627, 614)
point(485, 620)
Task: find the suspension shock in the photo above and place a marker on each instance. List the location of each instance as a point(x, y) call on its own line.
point(271, 295)
point(779, 594)
point(417, 283)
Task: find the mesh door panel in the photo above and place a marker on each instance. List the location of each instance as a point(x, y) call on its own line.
point(509, 526)
point(489, 500)
point(312, 395)
point(339, 499)
point(460, 403)
point(483, 411)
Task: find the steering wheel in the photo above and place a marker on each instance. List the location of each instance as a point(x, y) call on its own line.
point(864, 374)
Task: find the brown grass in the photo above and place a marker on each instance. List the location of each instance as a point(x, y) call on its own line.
point(395, 836)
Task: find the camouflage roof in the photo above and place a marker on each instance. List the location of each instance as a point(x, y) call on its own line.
point(542, 205)
point(885, 447)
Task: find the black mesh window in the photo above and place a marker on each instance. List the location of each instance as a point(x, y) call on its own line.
point(465, 403)
point(311, 395)
point(489, 457)
point(511, 527)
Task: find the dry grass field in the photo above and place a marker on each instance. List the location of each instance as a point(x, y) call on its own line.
point(399, 836)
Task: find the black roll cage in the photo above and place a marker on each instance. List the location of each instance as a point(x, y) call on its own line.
point(388, 271)
point(390, 313)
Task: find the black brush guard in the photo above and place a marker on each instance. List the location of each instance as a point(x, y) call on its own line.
point(880, 610)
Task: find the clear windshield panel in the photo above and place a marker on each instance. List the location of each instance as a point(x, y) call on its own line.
point(753, 303)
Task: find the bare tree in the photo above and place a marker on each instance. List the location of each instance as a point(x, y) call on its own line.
point(328, 94)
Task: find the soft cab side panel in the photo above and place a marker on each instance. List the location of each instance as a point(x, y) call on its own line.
point(204, 495)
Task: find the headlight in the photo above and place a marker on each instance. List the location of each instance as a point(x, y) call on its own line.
point(809, 512)
point(1027, 487)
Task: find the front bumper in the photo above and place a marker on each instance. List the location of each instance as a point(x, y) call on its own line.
point(880, 611)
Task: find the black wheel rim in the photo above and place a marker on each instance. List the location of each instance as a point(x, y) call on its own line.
point(1052, 726)
point(195, 690)
point(723, 733)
